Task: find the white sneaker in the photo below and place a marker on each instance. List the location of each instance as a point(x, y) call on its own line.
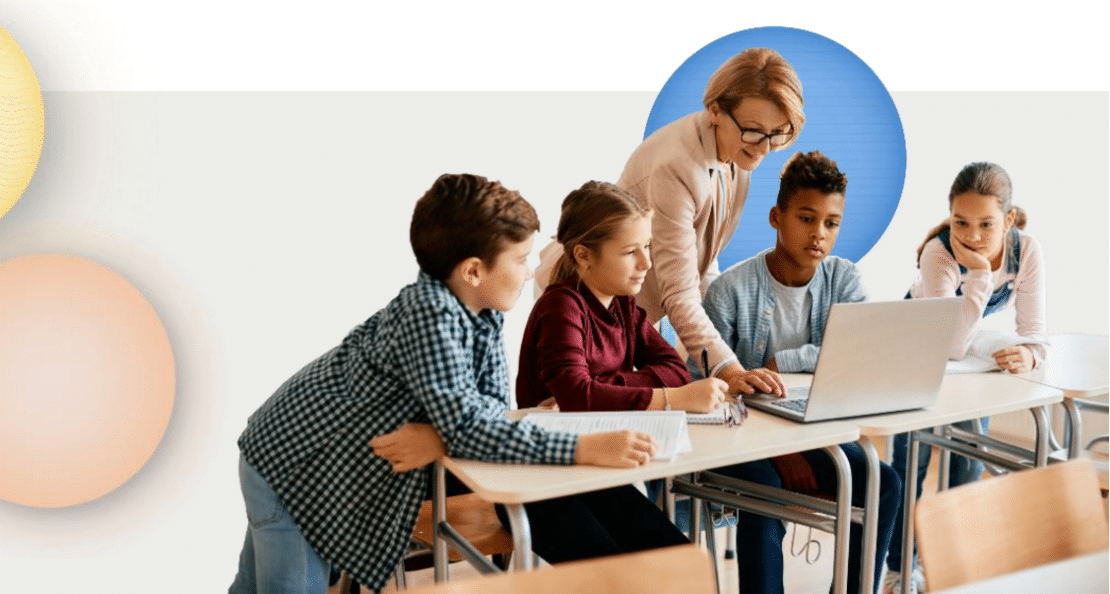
point(919, 579)
point(892, 583)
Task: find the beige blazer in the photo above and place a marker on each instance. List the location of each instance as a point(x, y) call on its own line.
point(676, 171)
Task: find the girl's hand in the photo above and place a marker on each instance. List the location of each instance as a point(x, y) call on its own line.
point(796, 473)
point(701, 396)
point(967, 257)
point(616, 449)
point(412, 446)
point(741, 381)
point(1018, 359)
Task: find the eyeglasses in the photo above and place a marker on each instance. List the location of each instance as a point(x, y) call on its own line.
point(753, 136)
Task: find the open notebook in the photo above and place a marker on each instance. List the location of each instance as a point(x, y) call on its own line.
point(667, 427)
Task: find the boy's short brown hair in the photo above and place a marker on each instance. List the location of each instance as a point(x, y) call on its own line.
point(809, 170)
point(464, 215)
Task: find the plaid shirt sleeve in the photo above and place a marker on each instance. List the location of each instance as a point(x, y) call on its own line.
point(451, 365)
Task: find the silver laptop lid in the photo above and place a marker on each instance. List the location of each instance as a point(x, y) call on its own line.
point(879, 357)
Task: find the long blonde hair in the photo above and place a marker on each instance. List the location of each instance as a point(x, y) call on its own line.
point(983, 178)
point(590, 216)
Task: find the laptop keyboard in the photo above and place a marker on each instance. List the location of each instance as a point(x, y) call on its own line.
point(796, 399)
point(794, 405)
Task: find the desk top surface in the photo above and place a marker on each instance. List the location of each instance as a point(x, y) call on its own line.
point(1077, 364)
point(761, 436)
point(962, 397)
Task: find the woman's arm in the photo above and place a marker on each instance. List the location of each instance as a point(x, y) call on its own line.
point(676, 261)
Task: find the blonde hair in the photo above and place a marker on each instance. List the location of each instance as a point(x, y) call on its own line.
point(590, 216)
point(987, 179)
point(758, 72)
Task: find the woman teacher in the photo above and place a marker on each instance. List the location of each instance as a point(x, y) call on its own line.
point(694, 174)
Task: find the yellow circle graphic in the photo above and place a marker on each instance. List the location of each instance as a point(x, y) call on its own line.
point(86, 380)
point(21, 122)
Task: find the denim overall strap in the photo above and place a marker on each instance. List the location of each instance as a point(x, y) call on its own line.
point(999, 298)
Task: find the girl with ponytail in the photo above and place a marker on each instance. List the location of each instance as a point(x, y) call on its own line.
point(980, 253)
point(587, 344)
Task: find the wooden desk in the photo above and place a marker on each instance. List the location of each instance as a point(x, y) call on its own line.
point(1076, 364)
point(1087, 574)
point(761, 436)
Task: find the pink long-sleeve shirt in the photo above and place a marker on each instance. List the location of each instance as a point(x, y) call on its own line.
point(940, 276)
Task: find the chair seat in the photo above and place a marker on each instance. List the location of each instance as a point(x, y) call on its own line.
point(475, 519)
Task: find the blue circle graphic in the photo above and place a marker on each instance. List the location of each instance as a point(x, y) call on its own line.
point(850, 117)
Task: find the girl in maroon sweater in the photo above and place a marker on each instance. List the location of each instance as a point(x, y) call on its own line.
point(587, 344)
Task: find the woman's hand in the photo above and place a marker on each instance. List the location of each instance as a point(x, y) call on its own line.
point(967, 257)
point(413, 445)
point(616, 449)
point(741, 381)
point(701, 396)
point(795, 472)
point(1018, 359)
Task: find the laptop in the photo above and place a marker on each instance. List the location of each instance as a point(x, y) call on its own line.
point(877, 357)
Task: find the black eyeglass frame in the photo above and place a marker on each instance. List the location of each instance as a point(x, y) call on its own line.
point(786, 136)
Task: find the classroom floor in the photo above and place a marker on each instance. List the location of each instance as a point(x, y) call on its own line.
point(801, 576)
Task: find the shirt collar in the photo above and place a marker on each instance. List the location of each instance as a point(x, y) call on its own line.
point(486, 317)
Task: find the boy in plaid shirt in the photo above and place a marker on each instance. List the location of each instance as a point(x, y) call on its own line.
point(316, 493)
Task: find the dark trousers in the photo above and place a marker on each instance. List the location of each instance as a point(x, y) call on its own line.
point(759, 538)
point(597, 524)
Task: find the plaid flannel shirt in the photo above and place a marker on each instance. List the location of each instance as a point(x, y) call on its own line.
point(425, 357)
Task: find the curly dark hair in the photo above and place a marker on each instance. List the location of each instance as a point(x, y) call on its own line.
point(464, 215)
point(809, 170)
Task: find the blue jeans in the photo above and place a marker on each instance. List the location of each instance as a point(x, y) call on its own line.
point(276, 558)
point(759, 538)
point(960, 472)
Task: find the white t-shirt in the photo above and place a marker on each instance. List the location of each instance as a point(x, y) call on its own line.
point(791, 326)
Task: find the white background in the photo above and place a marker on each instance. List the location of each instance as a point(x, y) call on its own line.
point(262, 226)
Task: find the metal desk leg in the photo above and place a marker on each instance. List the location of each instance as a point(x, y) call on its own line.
point(843, 518)
point(668, 498)
point(695, 520)
point(1075, 428)
point(908, 504)
point(1041, 451)
point(439, 516)
point(710, 539)
point(522, 536)
point(944, 465)
point(870, 517)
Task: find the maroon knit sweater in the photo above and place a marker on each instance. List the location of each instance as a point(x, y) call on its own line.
point(593, 358)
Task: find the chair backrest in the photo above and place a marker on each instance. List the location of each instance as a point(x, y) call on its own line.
point(1008, 523)
point(683, 569)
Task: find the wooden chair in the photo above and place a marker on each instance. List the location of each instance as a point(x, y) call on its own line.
point(684, 569)
point(1008, 523)
point(475, 519)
